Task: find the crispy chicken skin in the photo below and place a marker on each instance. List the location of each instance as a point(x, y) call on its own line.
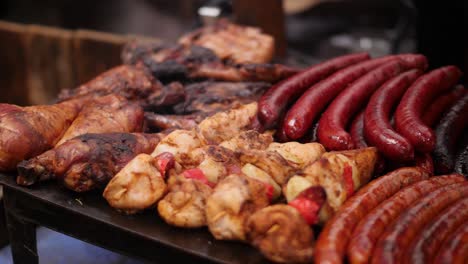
point(247, 140)
point(111, 113)
point(233, 200)
point(28, 131)
point(225, 125)
point(329, 171)
point(184, 205)
point(241, 44)
point(88, 161)
point(281, 234)
point(297, 153)
point(139, 185)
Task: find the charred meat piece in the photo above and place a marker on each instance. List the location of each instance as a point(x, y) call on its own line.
point(88, 161)
point(240, 44)
point(133, 83)
point(157, 122)
point(107, 114)
point(28, 131)
point(179, 62)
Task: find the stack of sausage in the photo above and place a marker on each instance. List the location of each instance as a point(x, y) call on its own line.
point(403, 217)
point(349, 102)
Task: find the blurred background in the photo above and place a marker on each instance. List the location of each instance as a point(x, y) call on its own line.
point(306, 31)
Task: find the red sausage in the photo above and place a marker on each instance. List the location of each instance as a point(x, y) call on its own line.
point(455, 248)
point(273, 103)
point(437, 108)
point(448, 132)
point(377, 127)
point(424, 160)
point(331, 131)
point(357, 131)
point(373, 225)
point(302, 114)
point(333, 240)
point(408, 115)
point(401, 233)
point(430, 239)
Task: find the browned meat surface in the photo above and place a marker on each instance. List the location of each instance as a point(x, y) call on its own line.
point(28, 131)
point(168, 63)
point(282, 234)
point(111, 113)
point(88, 161)
point(157, 122)
point(240, 44)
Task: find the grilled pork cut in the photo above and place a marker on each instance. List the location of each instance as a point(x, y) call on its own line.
point(28, 131)
point(88, 161)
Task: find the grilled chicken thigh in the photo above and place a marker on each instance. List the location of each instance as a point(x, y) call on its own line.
point(111, 113)
point(28, 131)
point(88, 161)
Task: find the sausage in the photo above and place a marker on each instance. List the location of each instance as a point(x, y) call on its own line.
point(303, 113)
point(424, 160)
point(437, 108)
point(408, 115)
point(377, 127)
point(430, 239)
point(455, 249)
point(447, 133)
point(357, 131)
point(461, 163)
point(373, 225)
point(333, 240)
point(273, 103)
point(399, 235)
point(331, 131)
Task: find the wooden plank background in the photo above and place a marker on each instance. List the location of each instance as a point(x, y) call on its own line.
point(36, 62)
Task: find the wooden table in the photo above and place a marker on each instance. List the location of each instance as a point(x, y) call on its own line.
point(88, 217)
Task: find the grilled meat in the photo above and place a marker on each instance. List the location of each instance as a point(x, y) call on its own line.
point(240, 44)
point(28, 131)
point(88, 161)
point(179, 62)
point(111, 113)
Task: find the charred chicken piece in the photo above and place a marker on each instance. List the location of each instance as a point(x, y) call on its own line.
point(178, 62)
point(281, 234)
point(240, 44)
point(184, 205)
point(340, 173)
point(88, 161)
point(133, 83)
point(138, 186)
point(225, 125)
point(108, 114)
point(248, 140)
point(169, 123)
point(233, 200)
point(28, 131)
point(297, 153)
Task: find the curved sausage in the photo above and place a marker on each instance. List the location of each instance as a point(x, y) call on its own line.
point(377, 127)
point(333, 240)
point(331, 131)
point(273, 103)
point(303, 113)
point(399, 235)
point(408, 115)
point(441, 104)
point(373, 225)
point(430, 239)
point(447, 133)
point(357, 131)
point(455, 248)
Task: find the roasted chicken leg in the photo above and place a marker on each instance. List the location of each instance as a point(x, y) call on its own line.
point(28, 131)
point(88, 161)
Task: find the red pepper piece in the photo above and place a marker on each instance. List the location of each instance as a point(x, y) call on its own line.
point(309, 202)
point(164, 162)
point(197, 174)
point(348, 178)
